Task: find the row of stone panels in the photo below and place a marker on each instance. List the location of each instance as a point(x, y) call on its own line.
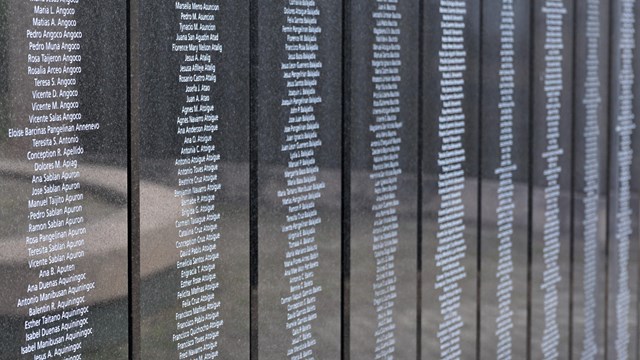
point(300, 179)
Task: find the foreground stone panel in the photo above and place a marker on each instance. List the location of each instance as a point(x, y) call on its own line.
point(384, 189)
point(505, 178)
point(63, 180)
point(551, 179)
point(622, 315)
point(298, 131)
point(590, 178)
point(450, 179)
point(191, 82)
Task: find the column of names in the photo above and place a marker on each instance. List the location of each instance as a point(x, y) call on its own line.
point(197, 45)
point(505, 192)
point(301, 71)
point(385, 152)
point(57, 304)
point(624, 128)
point(452, 245)
point(592, 103)
point(554, 12)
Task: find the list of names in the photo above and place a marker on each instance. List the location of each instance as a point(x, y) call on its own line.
point(624, 215)
point(592, 103)
point(301, 72)
point(385, 151)
point(554, 13)
point(58, 315)
point(451, 249)
point(505, 192)
point(197, 45)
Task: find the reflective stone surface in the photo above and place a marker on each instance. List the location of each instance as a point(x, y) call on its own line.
point(191, 82)
point(504, 216)
point(384, 188)
point(622, 316)
point(590, 178)
point(298, 115)
point(450, 179)
point(551, 179)
point(469, 189)
point(63, 180)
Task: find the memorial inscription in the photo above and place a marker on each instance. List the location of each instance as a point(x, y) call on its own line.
point(504, 186)
point(65, 187)
point(551, 179)
point(56, 233)
point(198, 321)
point(590, 156)
point(384, 152)
point(450, 179)
point(297, 117)
point(194, 240)
point(623, 193)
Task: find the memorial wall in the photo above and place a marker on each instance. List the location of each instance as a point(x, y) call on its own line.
point(315, 179)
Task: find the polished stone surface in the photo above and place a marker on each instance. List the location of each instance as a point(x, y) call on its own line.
point(505, 179)
point(298, 117)
point(191, 81)
point(450, 179)
point(590, 178)
point(551, 178)
point(63, 180)
point(384, 189)
point(624, 163)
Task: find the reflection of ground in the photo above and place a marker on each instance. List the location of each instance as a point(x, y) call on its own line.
point(431, 310)
point(490, 264)
point(363, 315)
point(160, 277)
point(431, 317)
point(274, 338)
point(159, 289)
point(105, 259)
point(13, 212)
point(274, 285)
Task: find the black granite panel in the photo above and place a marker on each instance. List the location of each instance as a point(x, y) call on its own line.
point(590, 178)
point(298, 116)
point(192, 88)
point(551, 178)
point(450, 179)
point(384, 189)
point(505, 178)
point(63, 180)
point(622, 314)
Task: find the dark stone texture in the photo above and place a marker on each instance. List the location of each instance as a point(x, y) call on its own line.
point(450, 179)
point(505, 179)
point(298, 116)
point(64, 181)
point(551, 178)
point(384, 187)
point(590, 178)
point(194, 242)
point(624, 164)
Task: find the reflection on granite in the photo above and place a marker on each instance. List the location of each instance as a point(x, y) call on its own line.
point(63, 180)
point(192, 87)
point(298, 132)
